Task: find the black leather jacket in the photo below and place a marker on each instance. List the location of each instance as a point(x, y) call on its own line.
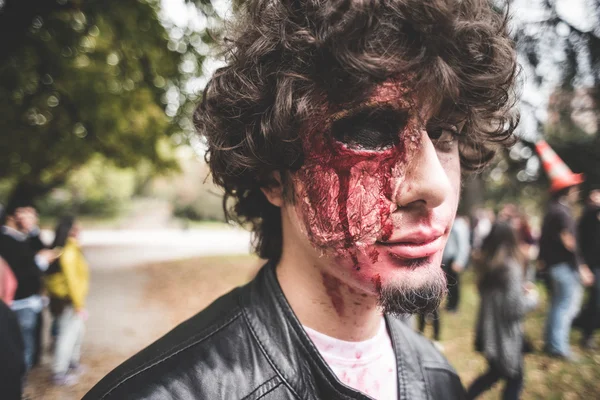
point(248, 344)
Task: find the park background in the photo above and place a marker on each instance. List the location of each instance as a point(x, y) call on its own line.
point(96, 105)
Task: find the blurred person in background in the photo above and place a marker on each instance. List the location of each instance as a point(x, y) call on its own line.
point(455, 259)
point(517, 219)
point(36, 244)
point(505, 299)
point(339, 132)
point(67, 282)
point(20, 247)
point(507, 212)
point(483, 220)
point(432, 318)
point(526, 243)
point(565, 271)
point(589, 243)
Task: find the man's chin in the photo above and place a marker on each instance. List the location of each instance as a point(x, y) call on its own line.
point(421, 294)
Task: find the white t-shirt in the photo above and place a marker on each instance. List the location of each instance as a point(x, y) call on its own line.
point(368, 366)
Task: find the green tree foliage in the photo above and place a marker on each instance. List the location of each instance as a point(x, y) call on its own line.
point(79, 78)
point(560, 58)
point(562, 53)
point(98, 189)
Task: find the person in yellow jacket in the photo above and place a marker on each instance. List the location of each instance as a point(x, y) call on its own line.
point(68, 284)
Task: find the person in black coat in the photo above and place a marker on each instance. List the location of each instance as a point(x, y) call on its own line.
point(12, 364)
point(589, 244)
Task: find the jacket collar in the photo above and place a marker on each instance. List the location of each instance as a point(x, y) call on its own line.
point(13, 233)
point(295, 357)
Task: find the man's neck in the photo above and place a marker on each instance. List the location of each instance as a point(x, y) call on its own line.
point(323, 302)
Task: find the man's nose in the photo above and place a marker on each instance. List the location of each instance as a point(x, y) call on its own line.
point(425, 182)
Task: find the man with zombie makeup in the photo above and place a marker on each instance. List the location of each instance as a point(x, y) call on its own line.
point(338, 130)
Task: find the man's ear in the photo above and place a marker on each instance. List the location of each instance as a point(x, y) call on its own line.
point(274, 192)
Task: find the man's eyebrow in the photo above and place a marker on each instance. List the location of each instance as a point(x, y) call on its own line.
point(457, 119)
point(368, 109)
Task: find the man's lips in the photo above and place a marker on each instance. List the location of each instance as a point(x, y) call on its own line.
point(414, 246)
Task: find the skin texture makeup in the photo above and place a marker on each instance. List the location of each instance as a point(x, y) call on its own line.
point(374, 201)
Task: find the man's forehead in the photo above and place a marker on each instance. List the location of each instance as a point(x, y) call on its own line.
point(393, 90)
point(400, 93)
point(395, 96)
point(391, 94)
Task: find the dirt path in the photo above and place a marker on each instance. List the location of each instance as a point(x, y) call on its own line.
point(130, 308)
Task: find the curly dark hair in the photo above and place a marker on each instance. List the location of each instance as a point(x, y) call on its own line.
point(287, 59)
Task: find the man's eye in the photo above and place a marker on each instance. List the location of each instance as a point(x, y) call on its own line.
point(370, 130)
point(368, 137)
point(443, 137)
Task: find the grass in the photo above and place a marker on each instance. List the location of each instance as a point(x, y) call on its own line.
point(545, 377)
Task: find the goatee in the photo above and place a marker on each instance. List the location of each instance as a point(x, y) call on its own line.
point(400, 298)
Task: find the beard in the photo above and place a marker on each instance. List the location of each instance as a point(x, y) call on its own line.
point(406, 297)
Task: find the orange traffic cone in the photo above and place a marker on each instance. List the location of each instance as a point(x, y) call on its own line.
point(561, 177)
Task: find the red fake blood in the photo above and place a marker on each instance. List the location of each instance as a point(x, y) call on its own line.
point(369, 220)
point(373, 255)
point(347, 194)
point(344, 193)
point(342, 166)
point(387, 227)
point(333, 290)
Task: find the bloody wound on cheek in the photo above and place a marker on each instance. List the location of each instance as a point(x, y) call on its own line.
point(371, 135)
point(371, 141)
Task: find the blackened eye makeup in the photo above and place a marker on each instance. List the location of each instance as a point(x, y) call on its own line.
point(373, 128)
